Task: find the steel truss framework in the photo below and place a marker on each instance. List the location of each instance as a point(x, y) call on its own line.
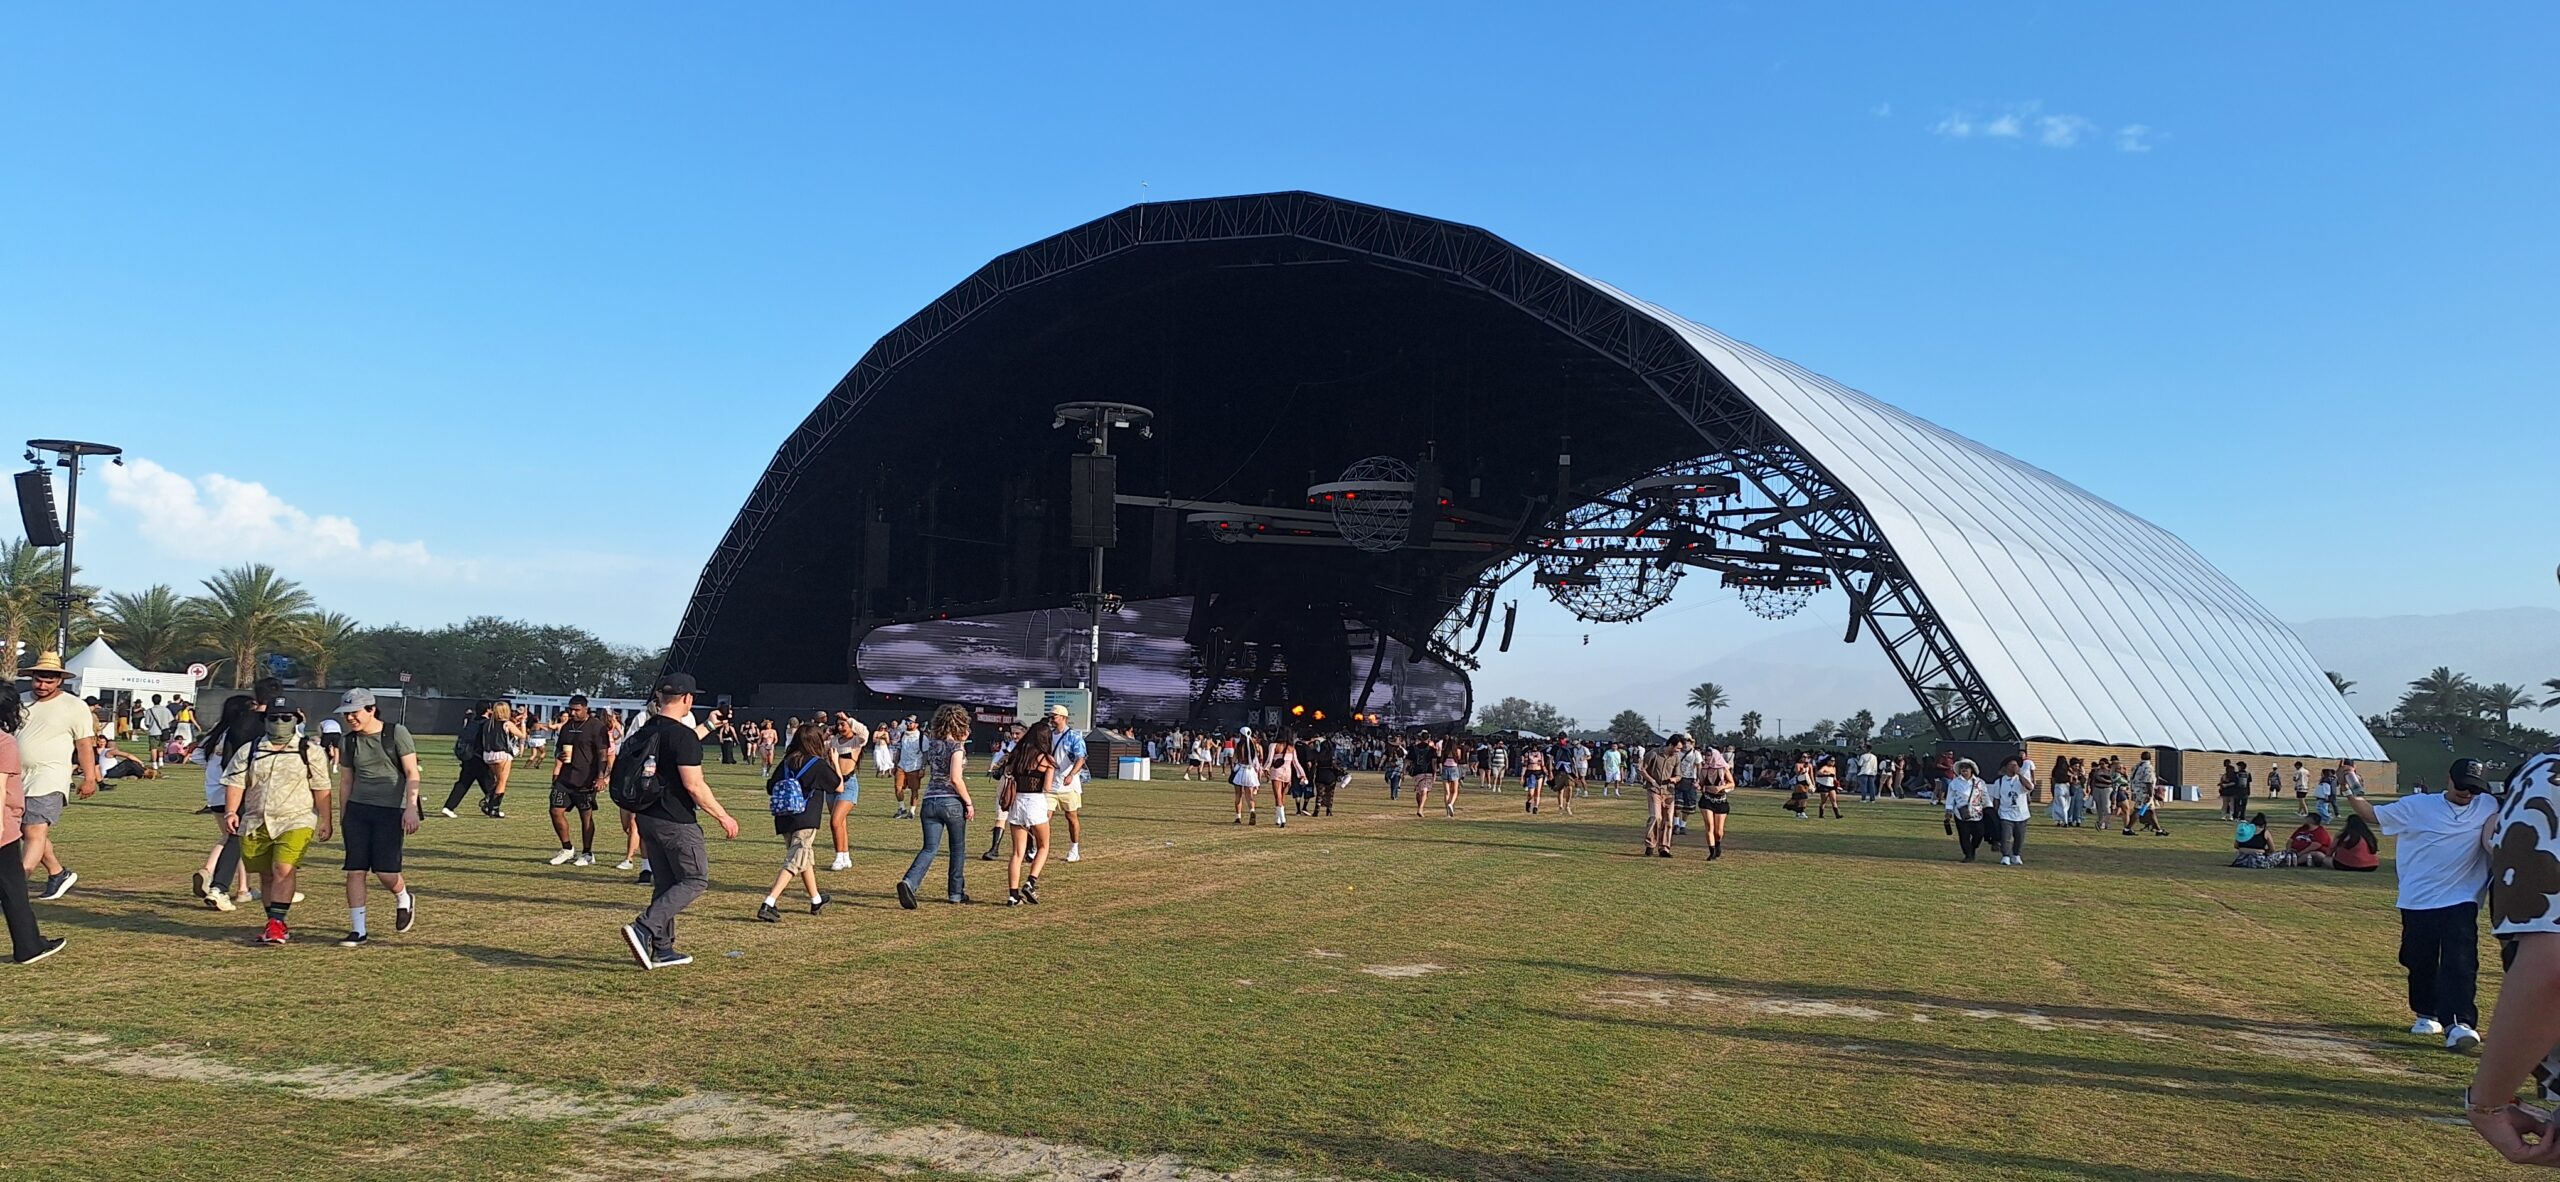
point(1808, 510)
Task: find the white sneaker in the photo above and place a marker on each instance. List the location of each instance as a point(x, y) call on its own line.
point(562, 858)
point(2020, 861)
point(446, 812)
point(2426, 1026)
point(585, 860)
point(842, 862)
point(624, 864)
point(1075, 852)
point(2461, 1038)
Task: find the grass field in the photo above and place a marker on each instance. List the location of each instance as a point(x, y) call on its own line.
point(1363, 996)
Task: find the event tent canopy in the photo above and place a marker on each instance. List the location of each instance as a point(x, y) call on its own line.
point(98, 669)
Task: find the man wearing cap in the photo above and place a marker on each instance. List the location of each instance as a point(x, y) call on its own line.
point(666, 749)
point(57, 737)
point(1067, 795)
point(2443, 862)
point(379, 766)
point(1659, 771)
point(275, 799)
point(580, 761)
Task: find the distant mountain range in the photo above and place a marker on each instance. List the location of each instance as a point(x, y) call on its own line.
point(1805, 674)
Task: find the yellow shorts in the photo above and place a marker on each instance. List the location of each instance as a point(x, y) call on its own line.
point(261, 853)
point(1067, 802)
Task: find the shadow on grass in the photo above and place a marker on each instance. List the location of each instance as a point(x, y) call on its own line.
point(1974, 1159)
point(1402, 1156)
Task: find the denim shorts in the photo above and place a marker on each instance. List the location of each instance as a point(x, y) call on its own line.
point(849, 792)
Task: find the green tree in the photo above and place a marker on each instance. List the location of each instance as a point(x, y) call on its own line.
point(1751, 724)
point(1706, 698)
point(30, 576)
point(2342, 685)
point(149, 627)
point(2504, 700)
point(1860, 728)
point(246, 612)
point(2442, 698)
point(1630, 728)
point(323, 639)
point(1942, 701)
point(1702, 728)
point(1907, 724)
point(1523, 715)
point(2554, 700)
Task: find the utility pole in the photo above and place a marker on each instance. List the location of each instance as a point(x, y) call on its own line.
point(69, 453)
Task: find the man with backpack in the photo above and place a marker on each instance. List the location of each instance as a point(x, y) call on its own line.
point(276, 801)
point(379, 762)
point(657, 776)
point(475, 770)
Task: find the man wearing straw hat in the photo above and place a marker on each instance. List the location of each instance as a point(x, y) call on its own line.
point(57, 737)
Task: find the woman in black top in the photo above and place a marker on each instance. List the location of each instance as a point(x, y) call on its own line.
point(811, 763)
point(219, 880)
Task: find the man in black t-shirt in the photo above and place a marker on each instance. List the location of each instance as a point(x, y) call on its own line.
point(579, 765)
point(669, 742)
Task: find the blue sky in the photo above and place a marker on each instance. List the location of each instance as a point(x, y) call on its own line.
point(447, 283)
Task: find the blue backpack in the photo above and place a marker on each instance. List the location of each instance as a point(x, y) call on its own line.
point(784, 796)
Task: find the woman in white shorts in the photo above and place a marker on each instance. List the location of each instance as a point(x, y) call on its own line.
point(498, 750)
point(1244, 772)
point(1025, 803)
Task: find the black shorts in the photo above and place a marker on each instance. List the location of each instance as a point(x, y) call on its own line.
point(371, 833)
point(575, 799)
point(1685, 794)
point(329, 741)
point(1719, 805)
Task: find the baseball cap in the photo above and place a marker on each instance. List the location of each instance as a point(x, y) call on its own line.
point(281, 704)
point(676, 685)
point(352, 700)
point(2467, 775)
point(1060, 708)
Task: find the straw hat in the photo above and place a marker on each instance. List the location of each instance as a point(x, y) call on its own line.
point(50, 661)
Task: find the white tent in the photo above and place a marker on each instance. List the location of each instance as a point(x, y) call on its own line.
point(98, 669)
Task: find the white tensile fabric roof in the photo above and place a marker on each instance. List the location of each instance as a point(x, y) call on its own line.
point(2086, 623)
point(99, 667)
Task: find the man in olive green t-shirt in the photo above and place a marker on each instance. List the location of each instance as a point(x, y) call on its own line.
point(379, 768)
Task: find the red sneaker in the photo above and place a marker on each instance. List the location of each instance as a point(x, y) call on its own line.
point(276, 933)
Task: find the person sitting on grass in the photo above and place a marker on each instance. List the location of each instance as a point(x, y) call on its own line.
point(2356, 848)
point(2249, 837)
point(2309, 845)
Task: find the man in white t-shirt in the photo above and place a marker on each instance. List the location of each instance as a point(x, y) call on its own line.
point(1866, 773)
point(2443, 860)
point(58, 737)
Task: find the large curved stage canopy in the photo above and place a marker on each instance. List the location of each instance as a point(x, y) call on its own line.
point(911, 539)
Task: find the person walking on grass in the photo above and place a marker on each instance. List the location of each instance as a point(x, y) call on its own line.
point(1029, 773)
point(2010, 796)
point(1286, 772)
point(275, 799)
point(27, 942)
point(798, 792)
point(909, 741)
point(1659, 775)
point(581, 760)
point(378, 780)
point(1715, 798)
point(995, 771)
point(57, 741)
point(1066, 794)
point(846, 746)
point(1244, 773)
point(1966, 798)
point(2443, 864)
point(470, 769)
point(1533, 778)
point(1826, 783)
point(657, 774)
point(946, 809)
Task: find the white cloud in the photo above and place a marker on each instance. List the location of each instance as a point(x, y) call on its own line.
point(218, 517)
point(2062, 131)
point(2028, 122)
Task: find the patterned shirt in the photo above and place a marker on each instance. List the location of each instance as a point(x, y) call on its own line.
point(2524, 865)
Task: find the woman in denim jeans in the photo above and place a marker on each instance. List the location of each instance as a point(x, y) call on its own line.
point(946, 809)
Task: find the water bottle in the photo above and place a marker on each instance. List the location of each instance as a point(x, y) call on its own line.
point(649, 768)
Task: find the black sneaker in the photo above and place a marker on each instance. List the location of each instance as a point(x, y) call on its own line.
point(818, 906)
point(59, 885)
point(669, 960)
point(404, 919)
point(906, 895)
point(51, 946)
point(355, 940)
point(988, 856)
point(768, 913)
point(1013, 898)
point(643, 880)
point(1031, 889)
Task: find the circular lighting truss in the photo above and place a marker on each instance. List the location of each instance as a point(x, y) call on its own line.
point(1775, 594)
point(1609, 579)
point(1372, 504)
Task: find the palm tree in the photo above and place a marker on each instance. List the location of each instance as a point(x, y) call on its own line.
point(246, 611)
point(30, 576)
point(149, 627)
point(1751, 724)
point(1705, 699)
point(2554, 700)
point(323, 640)
point(2442, 696)
point(2342, 685)
point(2504, 700)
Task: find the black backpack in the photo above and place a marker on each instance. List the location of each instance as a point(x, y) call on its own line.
point(466, 742)
point(634, 786)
